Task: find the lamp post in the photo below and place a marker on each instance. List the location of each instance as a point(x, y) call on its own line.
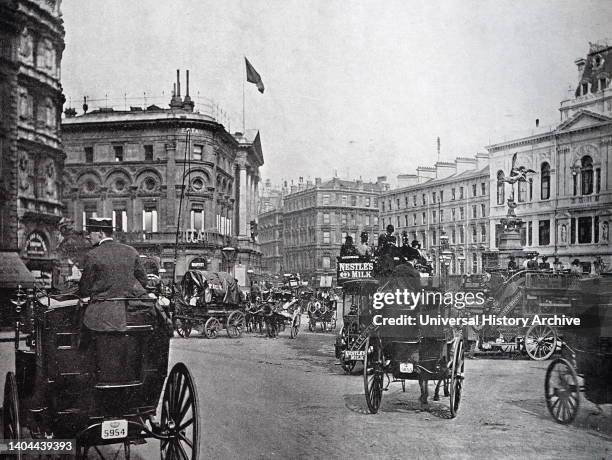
point(445, 257)
point(229, 256)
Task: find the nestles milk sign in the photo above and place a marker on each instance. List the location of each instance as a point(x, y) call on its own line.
point(353, 268)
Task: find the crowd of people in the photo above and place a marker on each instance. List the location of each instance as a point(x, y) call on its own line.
point(535, 262)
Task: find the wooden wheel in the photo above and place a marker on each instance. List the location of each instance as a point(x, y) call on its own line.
point(211, 328)
point(183, 327)
point(295, 326)
point(457, 376)
point(235, 324)
point(562, 391)
point(540, 342)
point(179, 416)
point(10, 412)
point(373, 372)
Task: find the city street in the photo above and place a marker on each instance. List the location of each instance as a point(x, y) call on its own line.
point(280, 398)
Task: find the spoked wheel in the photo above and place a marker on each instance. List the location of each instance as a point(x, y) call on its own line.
point(295, 326)
point(183, 327)
point(373, 373)
point(540, 342)
point(457, 376)
point(179, 416)
point(235, 324)
point(10, 419)
point(211, 328)
point(562, 391)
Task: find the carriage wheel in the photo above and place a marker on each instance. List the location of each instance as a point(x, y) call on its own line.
point(540, 342)
point(235, 324)
point(295, 326)
point(562, 391)
point(457, 376)
point(179, 416)
point(10, 419)
point(183, 327)
point(348, 366)
point(373, 371)
point(211, 328)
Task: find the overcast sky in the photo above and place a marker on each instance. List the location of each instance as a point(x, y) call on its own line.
point(361, 87)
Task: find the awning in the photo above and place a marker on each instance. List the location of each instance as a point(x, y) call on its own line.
point(13, 272)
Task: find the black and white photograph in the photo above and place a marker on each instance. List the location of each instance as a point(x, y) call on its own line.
point(305, 229)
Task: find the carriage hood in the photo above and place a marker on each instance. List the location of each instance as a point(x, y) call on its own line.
point(223, 287)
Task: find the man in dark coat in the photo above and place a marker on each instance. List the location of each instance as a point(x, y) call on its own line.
point(111, 271)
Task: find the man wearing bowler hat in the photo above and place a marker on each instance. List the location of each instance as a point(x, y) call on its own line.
point(111, 271)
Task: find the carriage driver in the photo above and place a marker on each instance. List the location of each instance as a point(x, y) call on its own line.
point(111, 271)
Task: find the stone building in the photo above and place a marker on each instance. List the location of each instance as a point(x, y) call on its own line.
point(270, 228)
point(566, 204)
point(452, 199)
point(131, 165)
point(316, 217)
point(31, 156)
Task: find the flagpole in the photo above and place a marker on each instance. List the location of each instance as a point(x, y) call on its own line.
point(243, 128)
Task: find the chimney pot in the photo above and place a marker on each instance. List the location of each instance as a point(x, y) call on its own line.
point(178, 83)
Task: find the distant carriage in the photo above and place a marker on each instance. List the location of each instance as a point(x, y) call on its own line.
point(209, 302)
point(279, 310)
point(322, 312)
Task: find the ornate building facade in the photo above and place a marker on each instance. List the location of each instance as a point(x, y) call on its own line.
point(452, 199)
point(312, 223)
point(31, 155)
point(566, 204)
point(133, 165)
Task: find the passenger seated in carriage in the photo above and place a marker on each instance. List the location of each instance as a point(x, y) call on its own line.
point(364, 248)
point(347, 249)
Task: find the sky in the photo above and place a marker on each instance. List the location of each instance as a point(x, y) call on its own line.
point(352, 88)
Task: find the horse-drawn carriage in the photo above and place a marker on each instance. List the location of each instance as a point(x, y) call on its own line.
point(98, 388)
point(322, 311)
point(350, 343)
point(412, 349)
point(525, 294)
point(279, 310)
point(586, 362)
point(208, 302)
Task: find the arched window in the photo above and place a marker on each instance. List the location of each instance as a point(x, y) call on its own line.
point(545, 181)
point(500, 187)
point(522, 190)
point(586, 175)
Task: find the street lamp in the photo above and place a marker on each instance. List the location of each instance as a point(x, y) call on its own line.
point(229, 256)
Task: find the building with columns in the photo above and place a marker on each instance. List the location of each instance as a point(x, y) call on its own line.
point(31, 155)
point(566, 204)
point(132, 165)
point(450, 198)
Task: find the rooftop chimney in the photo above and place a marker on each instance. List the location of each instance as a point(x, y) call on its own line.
point(175, 102)
point(187, 102)
point(85, 106)
point(178, 83)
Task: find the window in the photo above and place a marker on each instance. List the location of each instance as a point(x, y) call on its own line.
point(118, 153)
point(602, 84)
point(523, 232)
point(585, 89)
point(343, 219)
point(406, 200)
point(575, 181)
point(483, 188)
point(433, 197)
point(414, 219)
point(461, 213)
point(433, 238)
point(389, 205)
point(545, 181)
point(353, 220)
point(148, 151)
point(461, 235)
point(325, 200)
point(367, 201)
point(424, 218)
point(461, 193)
point(441, 196)
point(530, 233)
point(453, 193)
point(441, 215)
point(522, 191)
point(197, 219)
point(398, 222)
point(531, 189)
point(586, 175)
point(585, 229)
point(597, 180)
point(149, 219)
point(89, 156)
point(406, 220)
point(474, 189)
point(483, 210)
point(354, 200)
point(433, 216)
point(483, 233)
point(544, 233)
point(453, 214)
point(367, 219)
point(326, 262)
point(383, 206)
point(197, 152)
point(500, 187)
point(375, 220)
point(453, 236)
point(424, 198)
point(120, 220)
point(89, 210)
point(573, 230)
point(414, 200)
point(596, 229)
point(398, 203)
point(326, 238)
point(326, 218)
point(474, 263)
point(474, 211)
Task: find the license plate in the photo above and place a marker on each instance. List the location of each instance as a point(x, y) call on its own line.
point(406, 368)
point(114, 429)
point(355, 355)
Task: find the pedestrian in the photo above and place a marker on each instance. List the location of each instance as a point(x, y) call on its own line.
point(576, 267)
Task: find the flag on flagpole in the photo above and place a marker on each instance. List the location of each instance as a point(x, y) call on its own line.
point(253, 76)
